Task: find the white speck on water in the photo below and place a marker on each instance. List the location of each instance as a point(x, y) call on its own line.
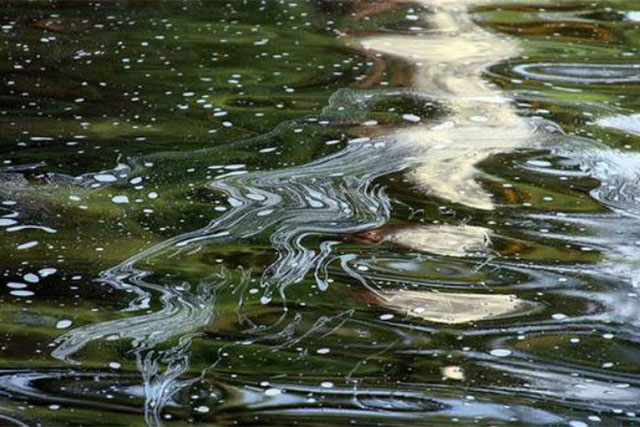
point(576, 423)
point(539, 163)
point(119, 200)
point(22, 293)
point(500, 352)
point(153, 195)
point(28, 245)
point(411, 118)
point(272, 391)
point(323, 350)
point(202, 409)
point(105, 177)
point(16, 285)
point(6, 222)
point(386, 317)
point(559, 316)
point(235, 166)
point(326, 384)
point(47, 272)
point(54, 407)
point(31, 278)
point(63, 324)
point(114, 365)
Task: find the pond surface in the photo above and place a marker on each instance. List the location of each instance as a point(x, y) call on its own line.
point(311, 213)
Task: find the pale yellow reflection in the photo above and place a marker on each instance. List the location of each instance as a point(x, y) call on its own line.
point(447, 240)
point(450, 59)
point(454, 308)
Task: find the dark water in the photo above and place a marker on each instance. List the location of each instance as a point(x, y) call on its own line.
point(275, 213)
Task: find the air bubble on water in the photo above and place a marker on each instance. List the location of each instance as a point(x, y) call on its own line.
point(539, 163)
point(106, 178)
point(28, 245)
point(411, 118)
point(16, 285)
point(63, 324)
point(22, 293)
point(119, 200)
point(272, 391)
point(500, 352)
point(31, 278)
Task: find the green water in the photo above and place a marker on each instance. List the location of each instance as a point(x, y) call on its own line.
point(207, 216)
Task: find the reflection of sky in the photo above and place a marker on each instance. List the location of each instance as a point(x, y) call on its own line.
point(633, 15)
point(474, 409)
point(561, 385)
point(630, 123)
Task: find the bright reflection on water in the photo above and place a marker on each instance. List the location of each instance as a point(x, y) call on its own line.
point(271, 213)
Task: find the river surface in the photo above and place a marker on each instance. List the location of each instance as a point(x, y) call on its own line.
point(320, 212)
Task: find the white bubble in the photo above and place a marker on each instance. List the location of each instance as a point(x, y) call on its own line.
point(63, 324)
point(119, 200)
point(31, 278)
point(47, 272)
point(272, 391)
point(16, 285)
point(105, 177)
point(500, 352)
point(22, 293)
point(411, 118)
point(28, 245)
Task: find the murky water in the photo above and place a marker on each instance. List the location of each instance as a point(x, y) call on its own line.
point(274, 213)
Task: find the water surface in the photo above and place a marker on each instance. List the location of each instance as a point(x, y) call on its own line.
point(274, 213)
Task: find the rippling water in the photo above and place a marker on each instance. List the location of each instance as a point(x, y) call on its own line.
point(274, 213)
